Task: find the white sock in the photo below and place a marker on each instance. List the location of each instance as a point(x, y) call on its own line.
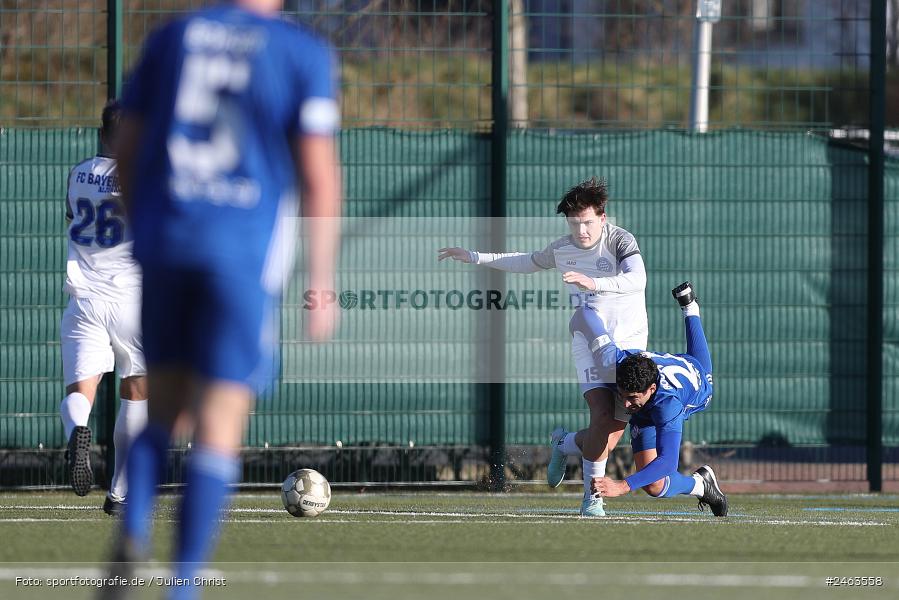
point(698, 486)
point(75, 410)
point(130, 422)
point(691, 310)
point(591, 470)
point(568, 445)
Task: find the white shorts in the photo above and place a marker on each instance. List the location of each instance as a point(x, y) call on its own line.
point(98, 335)
point(590, 377)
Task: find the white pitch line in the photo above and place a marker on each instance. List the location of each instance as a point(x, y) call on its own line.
point(414, 513)
point(403, 521)
point(47, 507)
point(549, 521)
point(707, 580)
point(377, 494)
point(612, 517)
point(478, 517)
point(50, 520)
point(316, 521)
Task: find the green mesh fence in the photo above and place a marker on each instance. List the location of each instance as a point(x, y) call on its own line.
point(891, 316)
point(770, 227)
point(787, 64)
point(52, 62)
point(766, 214)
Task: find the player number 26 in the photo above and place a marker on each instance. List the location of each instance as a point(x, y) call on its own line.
point(109, 229)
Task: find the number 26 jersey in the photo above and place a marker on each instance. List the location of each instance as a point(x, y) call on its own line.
point(99, 263)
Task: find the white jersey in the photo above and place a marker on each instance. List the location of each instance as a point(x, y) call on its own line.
point(99, 265)
point(624, 314)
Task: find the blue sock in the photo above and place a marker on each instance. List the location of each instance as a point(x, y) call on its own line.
point(697, 345)
point(678, 484)
point(209, 473)
point(146, 469)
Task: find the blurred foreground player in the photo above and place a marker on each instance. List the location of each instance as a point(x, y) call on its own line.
point(660, 391)
point(227, 111)
point(100, 327)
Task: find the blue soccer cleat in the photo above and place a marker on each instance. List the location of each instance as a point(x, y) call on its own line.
point(592, 506)
point(555, 470)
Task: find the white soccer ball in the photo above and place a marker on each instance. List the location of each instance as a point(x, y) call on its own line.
point(306, 493)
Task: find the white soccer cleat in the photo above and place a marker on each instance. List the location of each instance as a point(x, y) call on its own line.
point(555, 470)
point(592, 506)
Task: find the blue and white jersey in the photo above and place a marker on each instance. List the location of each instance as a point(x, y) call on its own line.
point(215, 174)
point(682, 389)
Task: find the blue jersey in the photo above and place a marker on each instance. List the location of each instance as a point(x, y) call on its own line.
point(223, 95)
point(682, 388)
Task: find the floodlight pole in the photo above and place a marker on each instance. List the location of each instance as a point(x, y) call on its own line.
point(496, 388)
point(874, 350)
point(708, 12)
point(113, 48)
point(108, 389)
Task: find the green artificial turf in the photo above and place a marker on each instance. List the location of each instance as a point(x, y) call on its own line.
point(466, 545)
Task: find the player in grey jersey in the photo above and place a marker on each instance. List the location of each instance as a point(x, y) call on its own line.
point(600, 263)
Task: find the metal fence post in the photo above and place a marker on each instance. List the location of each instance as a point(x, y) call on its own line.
point(496, 392)
point(113, 48)
point(877, 77)
point(108, 392)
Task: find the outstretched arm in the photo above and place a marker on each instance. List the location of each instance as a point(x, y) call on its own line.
point(512, 262)
point(664, 464)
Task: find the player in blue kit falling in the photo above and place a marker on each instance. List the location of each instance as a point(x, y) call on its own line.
point(661, 392)
point(227, 111)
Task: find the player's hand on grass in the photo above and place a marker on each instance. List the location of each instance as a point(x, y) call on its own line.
point(460, 254)
point(579, 279)
point(609, 488)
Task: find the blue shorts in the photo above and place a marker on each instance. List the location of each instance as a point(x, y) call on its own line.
point(643, 435)
point(218, 325)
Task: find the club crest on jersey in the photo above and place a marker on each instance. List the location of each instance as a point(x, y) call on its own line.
point(604, 264)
